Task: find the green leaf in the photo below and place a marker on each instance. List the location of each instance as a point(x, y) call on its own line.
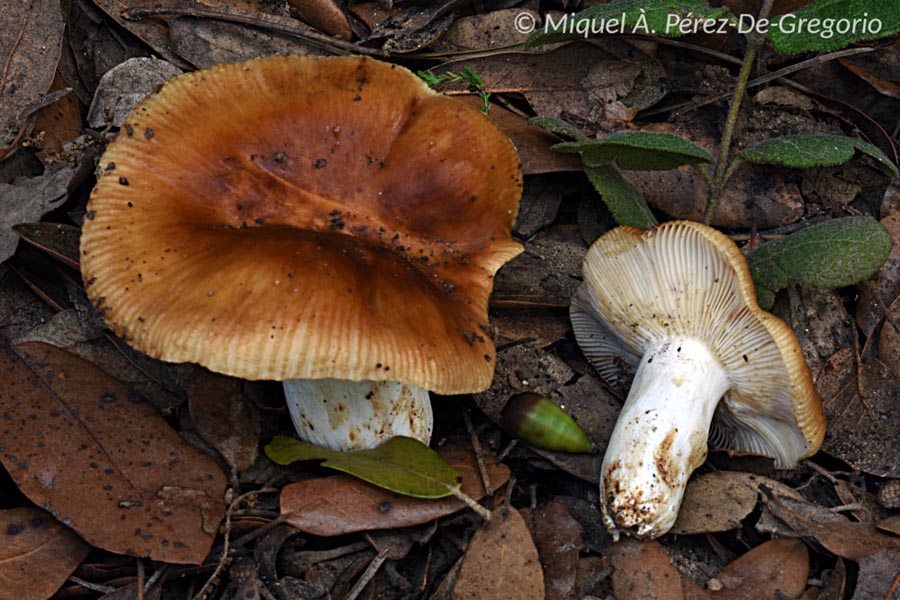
point(558, 127)
point(827, 25)
point(814, 150)
point(833, 254)
point(401, 464)
point(430, 79)
point(671, 18)
point(638, 151)
point(625, 202)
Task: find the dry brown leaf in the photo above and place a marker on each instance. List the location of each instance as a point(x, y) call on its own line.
point(716, 501)
point(223, 417)
point(754, 194)
point(329, 506)
point(324, 15)
point(861, 430)
point(605, 79)
point(155, 32)
point(642, 571)
point(27, 199)
point(890, 524)
point(373, 14)
point(488, 31)
point(839, 535)
point(532, 143)
point(878, 575)
point(30, 41)
point(37, 554)
point(102, 460)
point(501, 562)
point(774, 569)
point(208, 42)
point(539, 326)
point(56, 124)
point(558, 538)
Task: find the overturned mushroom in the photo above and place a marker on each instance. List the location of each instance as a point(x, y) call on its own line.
point(675, 306)
point(330, 220)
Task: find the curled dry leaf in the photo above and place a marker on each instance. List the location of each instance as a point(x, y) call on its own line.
point(329, 506)
point(26, 199)
point(501, 562)
point(848, 539)
point(102, 460)
point(37, 554)
point(30, 42)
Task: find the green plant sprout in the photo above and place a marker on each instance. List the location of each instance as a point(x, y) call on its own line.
point(467, 76)
point(817, 256)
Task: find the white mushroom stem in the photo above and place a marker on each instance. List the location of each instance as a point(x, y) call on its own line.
point(660, 437)
point(354, 415)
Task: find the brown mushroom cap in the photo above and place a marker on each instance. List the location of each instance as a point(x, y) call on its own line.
point(686, 279)
point(297, 217)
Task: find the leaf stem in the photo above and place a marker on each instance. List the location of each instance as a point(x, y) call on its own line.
point(719, 177)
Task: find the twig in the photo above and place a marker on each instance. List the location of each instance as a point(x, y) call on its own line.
point(894, 585)
point(479, 454)
point(367, 575)
point(780, 75)
point(154, 578)
point(224, 559)
point(859, 377)
point(94, 587)
point(505, 452)
point(471, 503)
point(140, 579)
point(740, 89)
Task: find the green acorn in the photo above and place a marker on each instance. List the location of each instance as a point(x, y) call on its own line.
point(542, 423)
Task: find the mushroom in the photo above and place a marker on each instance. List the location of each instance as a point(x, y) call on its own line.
point(328, 222)
point(675, 306)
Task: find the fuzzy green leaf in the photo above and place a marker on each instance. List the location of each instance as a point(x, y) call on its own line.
point(814, 150)
point(558, 127)
point(638, 151)
point(662, 17)
point(827, 25)
point(833, 254)
point(401, 464)
point(625, 202)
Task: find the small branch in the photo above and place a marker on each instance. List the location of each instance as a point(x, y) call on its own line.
point(479, 454)
point(367, 575)
point(753, 44)
point(471, 503)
